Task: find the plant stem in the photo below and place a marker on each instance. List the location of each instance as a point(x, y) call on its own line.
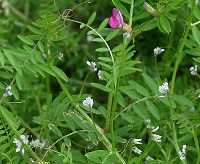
point(131, 14)
point(86, 117)
point(156, 64)
point(180, 49)
point(110, 99)
point(196, 135)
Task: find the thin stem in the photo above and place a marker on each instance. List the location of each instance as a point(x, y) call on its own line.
point(156, 64)
point(180, 49)
point(131, 14)
point(110, 99)
point(84, 84)
point(196, 135)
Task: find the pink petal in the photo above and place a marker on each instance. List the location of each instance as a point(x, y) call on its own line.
point(113, 22)
point(116, 13)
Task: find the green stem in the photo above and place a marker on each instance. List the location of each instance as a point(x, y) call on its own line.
point(156, 64)
point(196, 135)
point(180, 49)
point(86, 117)
point(174, 135)
point(114, 106)
point(110, 99)
point(131, 14)
point(83, 84)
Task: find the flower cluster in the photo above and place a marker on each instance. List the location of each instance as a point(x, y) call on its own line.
point(158, 51)
point(37, 143)
point(7, 92)
point(193, 70)
point(20, 143)
point(148, 158)
point(92, 66)
point(24, 141)
point(182, 153)
point(156, 137)
point(164, 88)
point(60, 56)
point(135, 149)
point(88, 102)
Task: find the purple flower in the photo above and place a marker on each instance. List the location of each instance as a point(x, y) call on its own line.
point(116, 20)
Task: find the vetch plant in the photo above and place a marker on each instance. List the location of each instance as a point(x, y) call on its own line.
point(116, 97)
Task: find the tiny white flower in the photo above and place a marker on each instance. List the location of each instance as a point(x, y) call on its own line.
point(148, 158)
point(198, 95)
point(92, 66)
point(192, 109)
point(100, 75)
point(164, 88)
point(126, 35)
point(88, 102)
point(158, 51)
point(148, 121)
point(44, 55)
point(155, 129)
point(137, 141)
point(136, 150)
point(37, 143)
point(181, 155)
point(60, 56)
point(193, 70)
point(149, 127)
point(156, 138)
point(184, 149)
point(197, 2)
point(19, 143)
point(7, 92)
point(90, 38)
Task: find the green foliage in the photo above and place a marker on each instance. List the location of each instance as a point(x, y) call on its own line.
point(49, 91)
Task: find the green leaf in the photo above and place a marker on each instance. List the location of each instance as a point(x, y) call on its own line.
point(112, 35)
point(54, 129)
point(19, 81)
point(182, 100)
point(91, 19)
point(196, 34)
point(41, 46)
point(149, 81)
point(103, 24)
point(106, 59)
point(139, 110)
point(2, 60)
point(69, 121)
point(47, 69)
point(102, 49)
point(165, 24)
point(97, 40)
point(10, 57)
point(60, 73)
point(82, 25)
point(26, 39)
point(34, 30)
point(39, 70)
point(14, 92)
point(121, 8)
point(127, 117)
point(142, 90)
point(101, 87)
point(152, 108)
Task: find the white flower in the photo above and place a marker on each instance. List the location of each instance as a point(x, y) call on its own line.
point(136, 150)
point(158, 51)
point(192, 109)
point(197, 2)
point(199, 95)
point(126, 35)
point(100, 75)
point(19, 143)
point(7, 92)
point(90, 38)
point(60, 56)
point(88, 102)
point(184, 149)
point(156, 138)
point(148, 158)
point(155, 129)
point(193, 70)
point(164, 88)
point(181, 155)
point(37, 143)
point(92, 65)
point(148, 121)
point(137, 141)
